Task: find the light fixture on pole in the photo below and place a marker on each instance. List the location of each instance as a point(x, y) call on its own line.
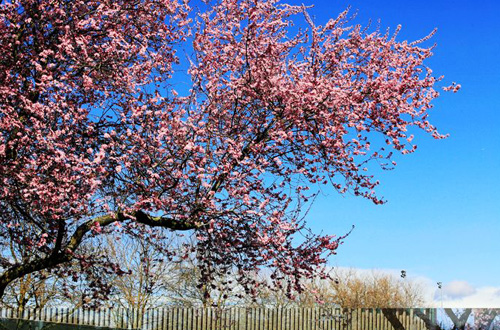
point(440, 287)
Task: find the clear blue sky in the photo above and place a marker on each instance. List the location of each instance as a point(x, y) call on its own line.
point(442, 219)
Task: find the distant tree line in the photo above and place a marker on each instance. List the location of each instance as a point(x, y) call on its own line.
point(148, 277)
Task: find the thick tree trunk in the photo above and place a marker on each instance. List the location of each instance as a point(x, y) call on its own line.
point(19, 271)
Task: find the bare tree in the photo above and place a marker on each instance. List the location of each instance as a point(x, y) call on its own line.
point(352, 289)
point(142, 286)
point(36, 290)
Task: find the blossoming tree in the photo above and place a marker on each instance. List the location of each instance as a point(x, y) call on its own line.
point(94, 137)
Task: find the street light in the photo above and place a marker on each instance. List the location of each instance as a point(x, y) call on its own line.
point(440, 286)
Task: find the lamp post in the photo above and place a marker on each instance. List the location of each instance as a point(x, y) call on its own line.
point(440, 286)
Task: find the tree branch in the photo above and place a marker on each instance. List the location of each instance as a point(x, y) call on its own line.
point(66, 253)
point(149, 220)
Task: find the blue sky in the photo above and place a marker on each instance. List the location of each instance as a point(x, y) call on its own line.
point(442, 218)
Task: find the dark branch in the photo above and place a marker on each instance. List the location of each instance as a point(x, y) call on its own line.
point(65, 254)
point(146, 219)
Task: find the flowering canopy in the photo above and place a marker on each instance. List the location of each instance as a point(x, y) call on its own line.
point(92, 132)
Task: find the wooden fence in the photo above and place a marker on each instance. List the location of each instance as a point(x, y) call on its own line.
point(235, 318)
